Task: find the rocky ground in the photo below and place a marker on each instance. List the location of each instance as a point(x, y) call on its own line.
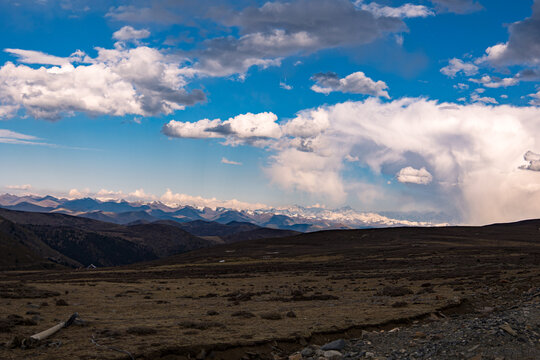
point(488, 333)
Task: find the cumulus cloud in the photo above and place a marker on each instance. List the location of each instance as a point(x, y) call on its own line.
point(127, 33)
point(414, 176)
point(461, 145)
point(535, 99)
point(403, 11)
point(355, 83)
point(533, 159)
point(139, 81)
point(482, 99)
point(523, 45)
point(308, 171)
point(241, 128)
point(496, 82)
point(458, 6)
point(224, 160)
point(456, 66)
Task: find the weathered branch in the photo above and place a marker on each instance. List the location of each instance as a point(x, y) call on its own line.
point(51, 331)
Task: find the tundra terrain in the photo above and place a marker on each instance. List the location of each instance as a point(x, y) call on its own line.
point(270, 298)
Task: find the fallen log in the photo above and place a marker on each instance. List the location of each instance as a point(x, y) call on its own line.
point(53, 330)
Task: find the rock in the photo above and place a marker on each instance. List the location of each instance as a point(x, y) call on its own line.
point(334, 345)
point(291, 314)
point(508, 329)
point(212, 313)
point(369, 355)
point(486, 309)
point(307, 352)
point(332, 355)
point(297, 356)
point(419, 335)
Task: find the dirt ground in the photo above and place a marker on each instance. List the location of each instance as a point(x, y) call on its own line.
point(261, 299)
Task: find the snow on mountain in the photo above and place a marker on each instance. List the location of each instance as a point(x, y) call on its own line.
point(292, 218)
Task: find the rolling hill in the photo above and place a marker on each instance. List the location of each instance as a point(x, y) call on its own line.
point(79, 241)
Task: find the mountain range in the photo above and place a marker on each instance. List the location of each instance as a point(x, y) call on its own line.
point(295, 218)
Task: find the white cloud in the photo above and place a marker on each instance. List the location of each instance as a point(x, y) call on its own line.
point(462, 145)
point(414, 176)
point(535, 99)
point(533, 159)
point(494, 82)
point(141, 194)
point(245, 127)
point(127, 33)
point(8, 134)
point(140, 81)
point(310, 172)
point(12, 137)
point(224, 160)
point(19, 187)
point(461, 86)
point(456, 66)
point(38, 57)
point(176, 199)
point(355, 83)
point(285, 86)
point(483, 99)
point(307, 124)
point(350, 158)
point(403, 11)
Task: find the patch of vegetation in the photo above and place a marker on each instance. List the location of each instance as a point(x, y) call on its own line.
point(21, 291)
point(200, 325)
point(141, 330)
point(394, 291)
point(243, 314)
point(271, 316)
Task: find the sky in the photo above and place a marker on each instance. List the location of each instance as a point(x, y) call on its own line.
point(416, 106)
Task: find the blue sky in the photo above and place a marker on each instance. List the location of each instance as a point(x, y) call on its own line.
point(378, 105)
